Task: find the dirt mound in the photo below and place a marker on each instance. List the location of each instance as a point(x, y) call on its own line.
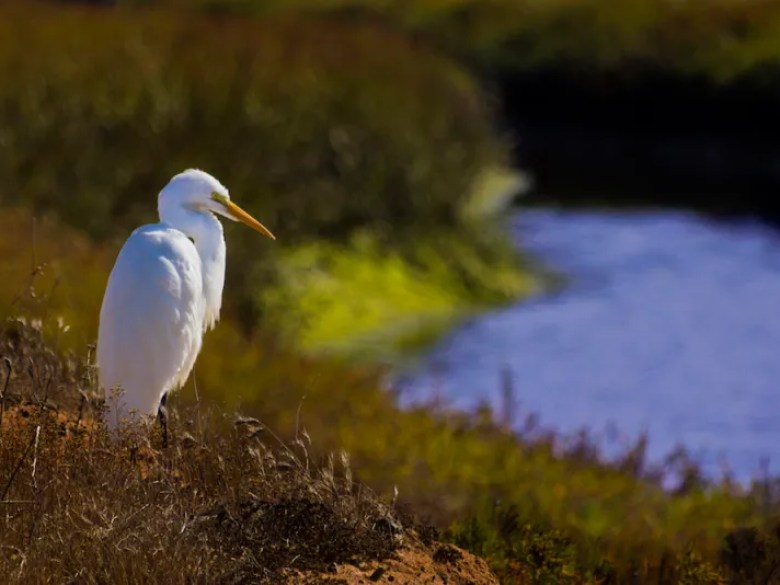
point(228, 503)
point(309, 533)
point(313, 537)
point(438, 564)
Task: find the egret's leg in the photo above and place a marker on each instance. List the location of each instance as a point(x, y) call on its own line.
point(162, 416)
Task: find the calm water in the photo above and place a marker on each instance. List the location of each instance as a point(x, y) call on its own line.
point(670, 325)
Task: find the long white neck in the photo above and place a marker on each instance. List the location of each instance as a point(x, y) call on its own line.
point(206, 231)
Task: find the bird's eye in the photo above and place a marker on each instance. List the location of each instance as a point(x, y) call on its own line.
point(219, 198)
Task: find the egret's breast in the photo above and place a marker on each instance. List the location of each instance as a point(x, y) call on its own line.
point(151, 322)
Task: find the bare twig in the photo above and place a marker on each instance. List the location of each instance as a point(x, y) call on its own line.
point(199, 428)
point(32, 370)
point(35, 455)
point(34, 241)
point(9, 366)
point(195, 386)
point(10, 481)
point(82, 403)
point(298, 415)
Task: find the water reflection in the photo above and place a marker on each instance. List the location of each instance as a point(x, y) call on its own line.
point(670, 326)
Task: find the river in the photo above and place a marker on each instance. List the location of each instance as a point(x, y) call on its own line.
point(668, 325)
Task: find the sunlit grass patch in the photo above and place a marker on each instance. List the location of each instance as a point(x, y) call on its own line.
point(373, 299)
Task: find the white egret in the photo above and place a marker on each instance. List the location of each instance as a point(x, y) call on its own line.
point(164, 292)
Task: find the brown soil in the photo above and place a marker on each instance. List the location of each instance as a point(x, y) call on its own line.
point(436, 564)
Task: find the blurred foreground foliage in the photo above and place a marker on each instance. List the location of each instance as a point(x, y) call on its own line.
point(540, 507)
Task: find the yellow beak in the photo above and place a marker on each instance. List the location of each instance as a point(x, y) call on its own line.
point(245, 218)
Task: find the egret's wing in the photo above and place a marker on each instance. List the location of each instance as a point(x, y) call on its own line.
point(151, 321)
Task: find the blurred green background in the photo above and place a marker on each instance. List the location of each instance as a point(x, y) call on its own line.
point(371, 137)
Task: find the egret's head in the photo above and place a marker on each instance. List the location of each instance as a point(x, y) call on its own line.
point(198, 191)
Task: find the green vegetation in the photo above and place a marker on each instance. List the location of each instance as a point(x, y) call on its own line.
point(324, 130)
point(421, 292)
point(375, 159)
point(541, 508)
point(538, 506)
point(319, 128)
point(717, 39)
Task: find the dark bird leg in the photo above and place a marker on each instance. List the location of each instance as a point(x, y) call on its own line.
point(162, 416)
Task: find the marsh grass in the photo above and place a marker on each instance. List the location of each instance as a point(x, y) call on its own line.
point(239, 500)
point(454, 468)
point(542, 508)
point(228, 502)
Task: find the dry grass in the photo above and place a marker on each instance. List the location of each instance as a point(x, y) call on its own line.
point(228, 502)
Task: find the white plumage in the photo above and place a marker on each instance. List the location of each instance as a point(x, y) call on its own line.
point(164, 292)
